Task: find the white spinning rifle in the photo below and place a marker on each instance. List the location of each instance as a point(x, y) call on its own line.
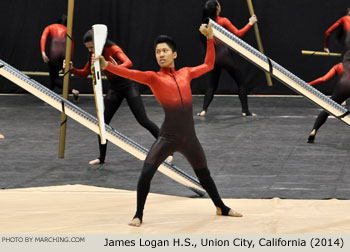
point(99, 35)
point(280, 73)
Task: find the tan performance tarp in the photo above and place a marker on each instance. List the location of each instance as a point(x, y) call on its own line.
point(79, 209)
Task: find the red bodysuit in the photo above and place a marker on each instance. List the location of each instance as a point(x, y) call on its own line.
point(172, 89)
point(345, 22)
point(56, 31)
point(337, 69)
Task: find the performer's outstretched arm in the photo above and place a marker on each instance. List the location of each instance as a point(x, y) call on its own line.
point(209, 61)
point(135, 75)
point(331, 73)
point(82, 73)
point(226, 23)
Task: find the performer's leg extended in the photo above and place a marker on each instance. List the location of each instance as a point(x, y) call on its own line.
point(237, 75)
point(112, 102)
point(196, 157)
point(138, 109)
point(213, 84)
point(340, 94)
point(157, 154)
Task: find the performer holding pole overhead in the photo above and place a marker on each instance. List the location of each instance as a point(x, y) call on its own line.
point(340, 93)
point(172, 90)
point(120, 88)
point(57, 50)
point(344, 35)
point(225, 59)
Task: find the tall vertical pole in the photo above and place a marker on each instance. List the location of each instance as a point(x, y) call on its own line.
point(258, 39)
point(66, 76)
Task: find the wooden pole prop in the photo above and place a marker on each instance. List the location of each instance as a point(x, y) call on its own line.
point(99, 34)
point(63, 125)
point(317, 53)
point(32, 73)
point(258, 39)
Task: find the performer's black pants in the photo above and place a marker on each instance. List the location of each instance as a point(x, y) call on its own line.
point(226, 59)
point(340, 93)
point(112, 102)
point(166, 144)
point(56, 57)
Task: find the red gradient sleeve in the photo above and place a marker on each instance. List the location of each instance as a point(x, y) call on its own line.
point(82, 73)
point(46, 32)
point(135, 75)
point(331, 73)
point(208, 64)
point(330, 30)
point(229, 26)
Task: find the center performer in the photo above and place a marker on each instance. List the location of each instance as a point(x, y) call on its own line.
point(120, 88)
point(225, 59)
point(172, 90)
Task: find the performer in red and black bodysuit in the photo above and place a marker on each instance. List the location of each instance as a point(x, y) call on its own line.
point(57, 50)
point(345, 23)
point(225, 59)
point(340, 93)
point(172, 90)
point(120, 88)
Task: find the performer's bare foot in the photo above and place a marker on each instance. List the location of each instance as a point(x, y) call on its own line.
point(2, 136)
point(95, 162)
point(312, 135)
point(230, 213)
point(202, 113)
point(169, 159)
point(75, 94)
point(136, 222)
point(248, 114)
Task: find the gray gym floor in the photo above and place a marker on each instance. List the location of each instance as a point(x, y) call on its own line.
point(255, 157)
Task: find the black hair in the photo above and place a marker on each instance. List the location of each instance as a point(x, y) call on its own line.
point(346, 61)
point(88, 38)
point(210, 10)
point(62, 20)
point(165, 39)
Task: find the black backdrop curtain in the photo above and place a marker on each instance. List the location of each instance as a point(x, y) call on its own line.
point(286, 27)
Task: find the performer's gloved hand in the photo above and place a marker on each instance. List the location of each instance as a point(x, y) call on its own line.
point(326, 50)
point(207, 30)
point(103, 62)
point(253, 19)
point(45, 58)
